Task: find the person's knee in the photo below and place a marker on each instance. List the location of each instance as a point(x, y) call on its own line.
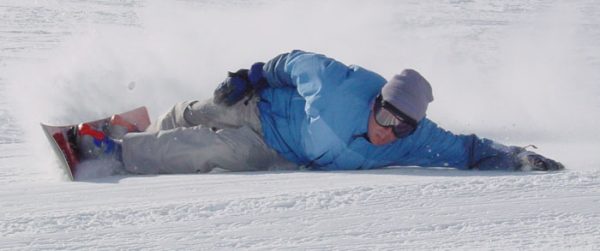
point(190, 113)
point(171, 119)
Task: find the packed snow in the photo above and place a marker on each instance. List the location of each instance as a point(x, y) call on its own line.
point(521, 72)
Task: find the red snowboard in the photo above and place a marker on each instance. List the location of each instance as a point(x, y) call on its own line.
point(63, 139)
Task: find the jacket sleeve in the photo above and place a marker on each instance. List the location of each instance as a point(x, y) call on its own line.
point(312, 75)
point(438, 147)
point(284, 69)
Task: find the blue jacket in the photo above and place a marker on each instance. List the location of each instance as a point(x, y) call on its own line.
point(315, 113)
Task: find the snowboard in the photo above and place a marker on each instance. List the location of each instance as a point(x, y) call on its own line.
point(63, 139)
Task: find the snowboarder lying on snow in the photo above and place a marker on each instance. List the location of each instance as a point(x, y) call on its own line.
point(302, 109)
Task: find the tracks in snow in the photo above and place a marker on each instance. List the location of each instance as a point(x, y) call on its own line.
point(410, 208)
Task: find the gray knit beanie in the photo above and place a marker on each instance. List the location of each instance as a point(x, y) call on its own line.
point(409, 92)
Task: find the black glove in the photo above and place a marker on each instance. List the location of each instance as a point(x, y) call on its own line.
point(240, 84)
point(531, 161)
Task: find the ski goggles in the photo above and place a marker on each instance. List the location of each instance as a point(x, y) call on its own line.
point(386, 115)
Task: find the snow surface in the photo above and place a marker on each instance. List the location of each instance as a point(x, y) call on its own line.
point(521, 72)
point(406, 208)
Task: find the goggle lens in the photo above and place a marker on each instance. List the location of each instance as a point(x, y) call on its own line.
point(385, 118)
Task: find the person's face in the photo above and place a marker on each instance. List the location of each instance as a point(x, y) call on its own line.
point(378, 135)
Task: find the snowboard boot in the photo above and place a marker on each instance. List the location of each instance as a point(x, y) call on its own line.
point(100, 154)
point(531, 161)
point(103, 141)
point(93, 143)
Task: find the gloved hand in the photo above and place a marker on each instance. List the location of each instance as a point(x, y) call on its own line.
point(240, 84)
point(531, 161)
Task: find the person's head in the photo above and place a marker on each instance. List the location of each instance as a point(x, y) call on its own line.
point(399, 107)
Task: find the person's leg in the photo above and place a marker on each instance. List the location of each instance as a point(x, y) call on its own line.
point(171, 119)
point(197, 149)
point(208, 114)
point(199, 136)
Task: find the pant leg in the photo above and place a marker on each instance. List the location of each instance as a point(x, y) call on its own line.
point(171, 119)
point(197, 149)
point(208, 114)
point(200, 136)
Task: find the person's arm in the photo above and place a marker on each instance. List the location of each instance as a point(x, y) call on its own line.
point(439, 147)
point(310, 74)
point(435, 146)
point(316, 79)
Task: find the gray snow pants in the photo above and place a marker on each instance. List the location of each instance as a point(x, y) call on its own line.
point(200, 136)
